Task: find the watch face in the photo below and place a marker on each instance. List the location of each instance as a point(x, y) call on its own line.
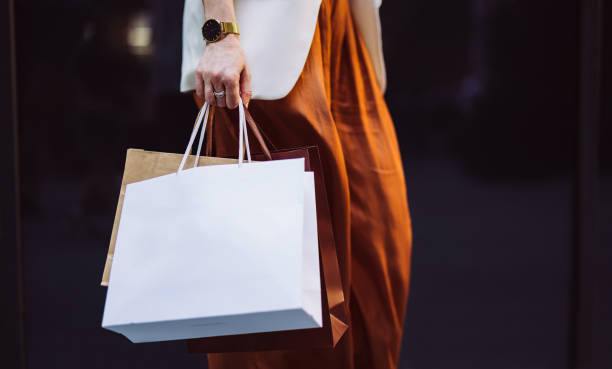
point(211, 30)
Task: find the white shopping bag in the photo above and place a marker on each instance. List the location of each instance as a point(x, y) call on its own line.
point(216, 250)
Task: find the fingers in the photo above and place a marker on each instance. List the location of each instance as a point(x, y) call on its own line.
point(218, 87)
point(208, 92)
point(199, 84)
point(232, 92)
point(233, 79)
point(234, 88)
point(245, 86)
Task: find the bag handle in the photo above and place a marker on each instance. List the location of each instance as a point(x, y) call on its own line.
point(260, 135)
point(243, 137)
point(264, 142)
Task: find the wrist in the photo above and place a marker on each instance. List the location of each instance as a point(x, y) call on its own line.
point(230, 38)
point(227, 42)
point(214, 30)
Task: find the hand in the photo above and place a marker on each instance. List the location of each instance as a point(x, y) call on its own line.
point(223, 67)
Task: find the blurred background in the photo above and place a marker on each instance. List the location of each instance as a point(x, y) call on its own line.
point(509, 180)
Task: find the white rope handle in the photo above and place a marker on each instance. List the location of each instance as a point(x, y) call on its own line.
point(197, 158)
point(243, 132)
point(203, 117)
point(193, 135)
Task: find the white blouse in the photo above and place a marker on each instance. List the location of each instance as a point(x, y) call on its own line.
point(276, 37)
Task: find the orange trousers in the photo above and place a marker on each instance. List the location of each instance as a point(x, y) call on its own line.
point(337, 105)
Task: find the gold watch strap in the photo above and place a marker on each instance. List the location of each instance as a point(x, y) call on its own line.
point(229, 27)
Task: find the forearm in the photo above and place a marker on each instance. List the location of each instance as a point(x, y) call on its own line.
point(221, 10)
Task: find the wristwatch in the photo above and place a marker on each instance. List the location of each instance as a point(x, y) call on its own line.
point(213, 30)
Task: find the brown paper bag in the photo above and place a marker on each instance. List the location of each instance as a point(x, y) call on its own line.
point(141, 165)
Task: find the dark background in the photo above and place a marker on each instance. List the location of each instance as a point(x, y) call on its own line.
point(512, 236)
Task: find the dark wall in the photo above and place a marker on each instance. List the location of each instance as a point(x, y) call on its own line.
point(602, 319)
point(11, 341)
point(85, 98)
point(485, 98)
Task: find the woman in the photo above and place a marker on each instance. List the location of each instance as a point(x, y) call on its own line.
point(334, 101)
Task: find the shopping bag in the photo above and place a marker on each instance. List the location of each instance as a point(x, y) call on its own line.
point(215, 250)
point(335, 318)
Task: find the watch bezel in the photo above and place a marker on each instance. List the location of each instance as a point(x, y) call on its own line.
point(218, 27)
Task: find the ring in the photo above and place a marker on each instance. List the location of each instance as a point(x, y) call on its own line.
point(219, 94)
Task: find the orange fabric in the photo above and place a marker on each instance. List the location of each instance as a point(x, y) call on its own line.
point(337, 105)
